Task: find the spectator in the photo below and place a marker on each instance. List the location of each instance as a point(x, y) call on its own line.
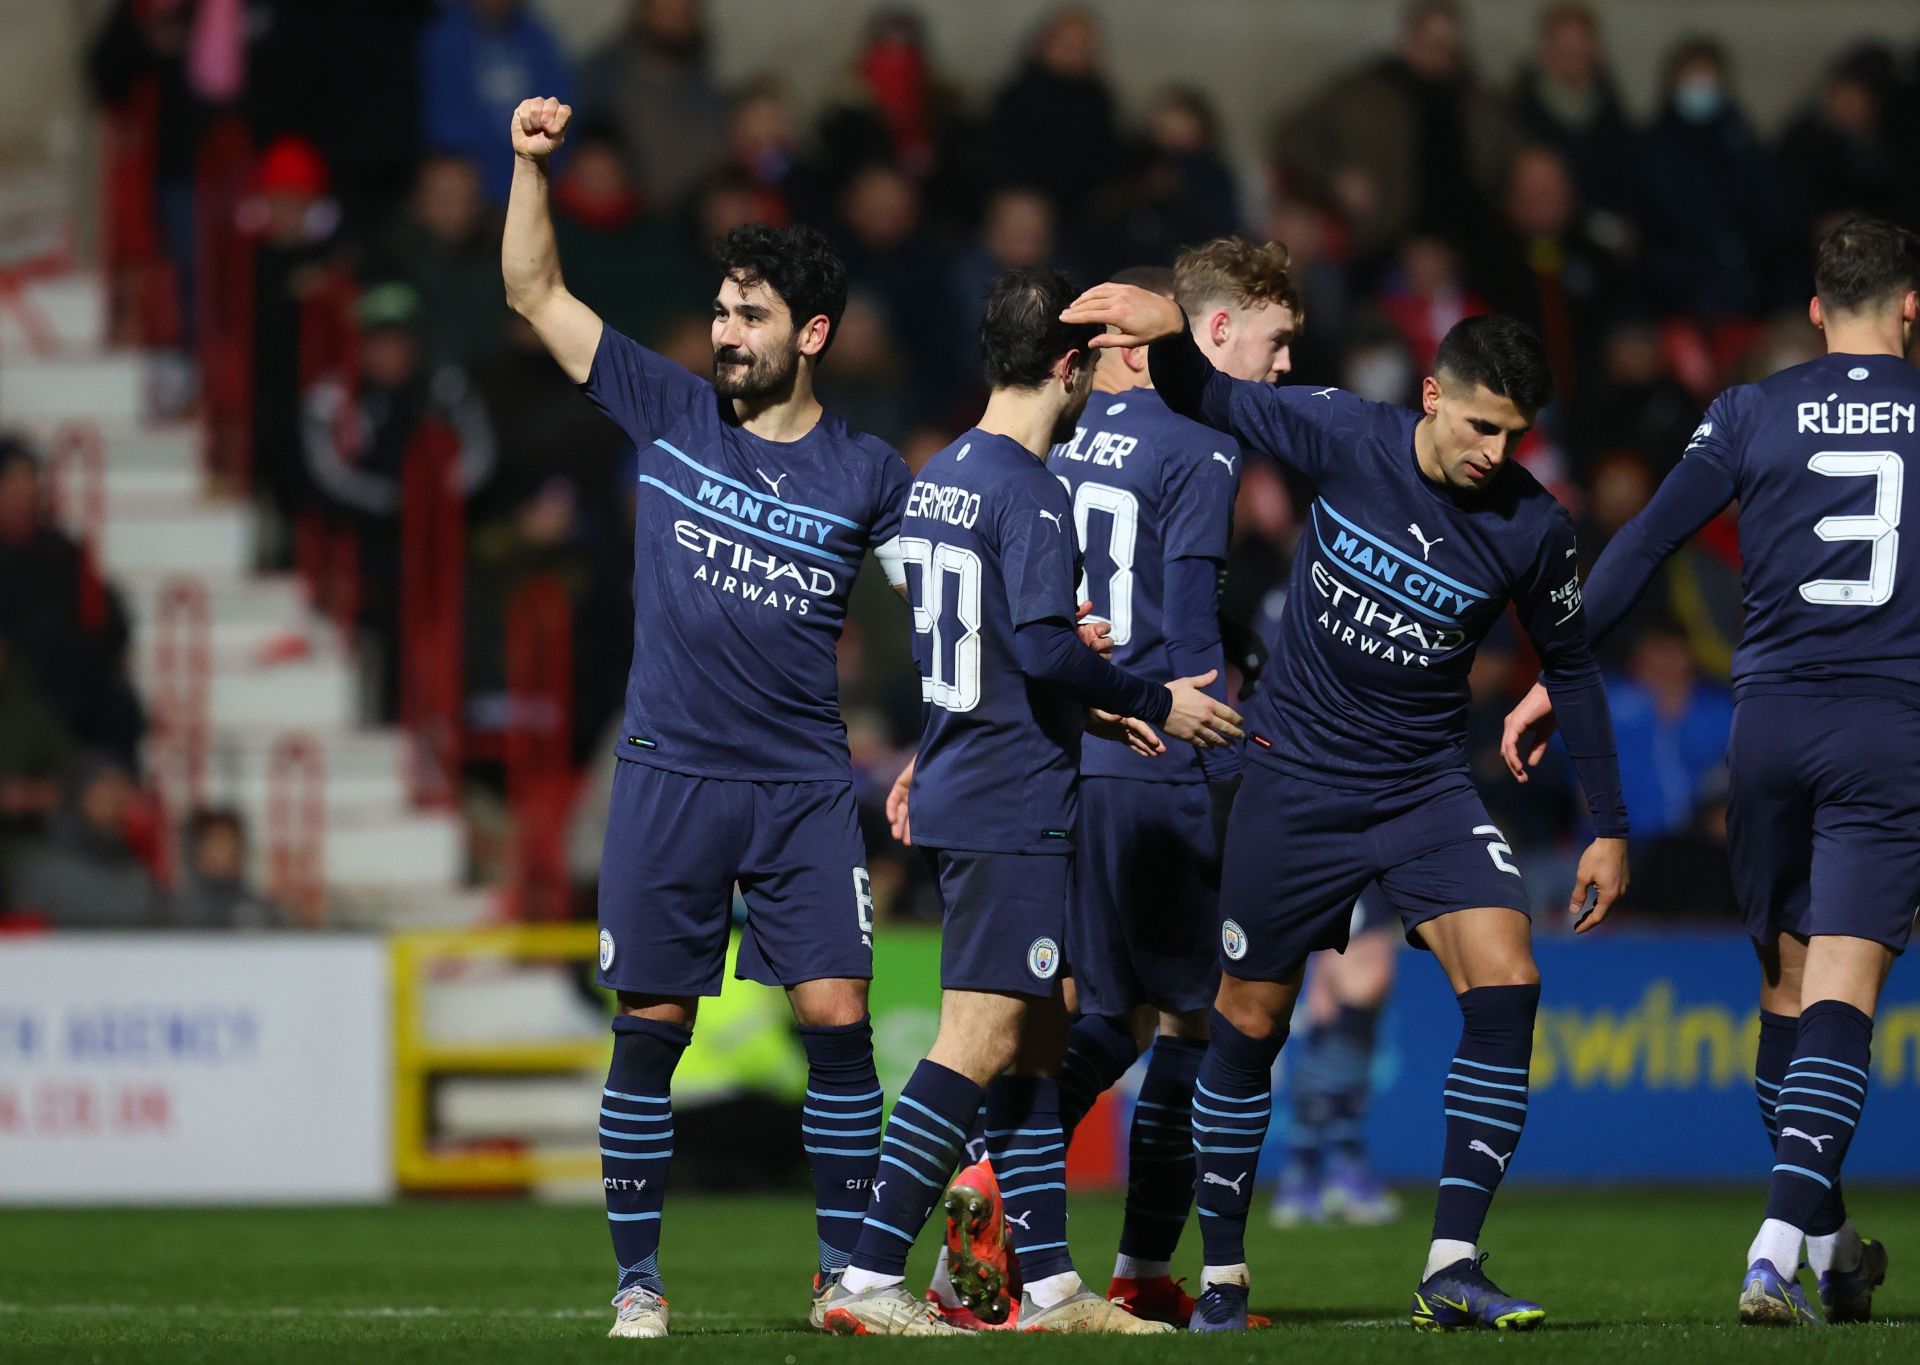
point(1411, 143)
point(1633, 403)
point(35, 750)
point(293, 221)
point(447, 247)
point(478, 60)
point(1543, 268)
point(1671, 728)
point(887, 250)
point(633, 268)
point(1426, 296)
point(357, 439)
point(1841, 155)
point(1565, 99)
point(85, 874)
point(763, 146)
point(652, 85)
point(1053, 123)
point(1016, 230)
point(862, 383)
point(1714, 211)
point(68, 629)
point(214, 893)
point(1180, 189)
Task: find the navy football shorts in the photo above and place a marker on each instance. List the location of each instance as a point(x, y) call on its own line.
point(1823, 818)
point(675, 847)
point(1144, 913)
point(1299, 852)
point(1003, 919)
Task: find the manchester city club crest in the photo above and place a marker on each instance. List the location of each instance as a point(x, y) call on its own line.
point(606, 950)
point(1233, 940)
point(1043, 958)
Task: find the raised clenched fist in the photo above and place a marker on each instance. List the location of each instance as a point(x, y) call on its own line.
point(539, 127)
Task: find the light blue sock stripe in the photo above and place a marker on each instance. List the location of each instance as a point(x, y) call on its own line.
point(653, 1217)
point(1238, 1132)
point(1033, 1151)
point(1771, 1085)
point(927, 1157)
point(1802, 1170)
point(1482, 1118)
point(1029, 1170)
point(957, 1131)
point(1261, 1098)
point(607, 1113)
point(848, 1114)
point(637, 1099)
point(1223, 1151)
point(1248, 1117)
point(888, 1227)
point(1521, 1105)
point(637, 1156)
point(1488, 1066)
point(1208, 1213)
point(840, 1213)
point(1848, 1100)
point(837, 1132)
point(1149, 1104)
point(840, 1151)
point(1830, 1080)
point(894, 1161)
point(1044, 1246)
point(1812, 1109)
point(1031, 1189)
point(1844, 1066)
point(1023, 1132)
point(943, 1143)
point(635, 1137)
point(1470, 1184)
point(844, 1099)
point(1491, 1085)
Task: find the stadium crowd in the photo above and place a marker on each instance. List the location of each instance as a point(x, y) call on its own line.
point(1659, 260)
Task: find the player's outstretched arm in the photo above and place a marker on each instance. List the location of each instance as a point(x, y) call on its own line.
point(1696, 492)
point(529, 255)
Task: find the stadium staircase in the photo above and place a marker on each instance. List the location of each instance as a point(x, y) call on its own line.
point(257, 700)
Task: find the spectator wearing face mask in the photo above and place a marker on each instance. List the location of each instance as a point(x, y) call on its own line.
point(1715, 216)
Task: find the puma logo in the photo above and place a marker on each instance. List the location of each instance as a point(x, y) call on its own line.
point(773, 485)
point(1225, 460)
point(1426, 546)
point(1326, 393)
point(1020, 1220)
point(1234, 1184)
point(1501, 1161)
point(1808, 1137)
point(1054, 517)
point(878, 1186)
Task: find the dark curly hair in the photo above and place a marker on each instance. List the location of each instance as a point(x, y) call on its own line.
point(1865, 262)
point(1021, 334)
point(1502, 353)
point(794, 262)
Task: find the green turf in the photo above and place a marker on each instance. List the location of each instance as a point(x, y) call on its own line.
point(1650, 1274)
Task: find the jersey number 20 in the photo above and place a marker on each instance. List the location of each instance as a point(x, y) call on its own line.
point(1881, 527)
point(947, 610)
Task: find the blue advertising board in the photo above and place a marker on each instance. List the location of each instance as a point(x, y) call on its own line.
point(1642, 1068)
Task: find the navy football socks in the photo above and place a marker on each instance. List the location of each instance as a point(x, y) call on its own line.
point(1486, 1105)
point(924, 1142)
point(1029, 1152)
point(636, 1141)
point(1232, 1105)
point(1160, 1160)
point(840, 1130)
point(1817, 1109)
point(1099, 1051)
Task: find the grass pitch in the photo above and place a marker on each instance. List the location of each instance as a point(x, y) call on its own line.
point(1651, 1275)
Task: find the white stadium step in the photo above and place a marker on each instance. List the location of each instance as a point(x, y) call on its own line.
point(210, 539)
point(395, 848)
point(316, 693)
point(105, 387)
point(73, 306)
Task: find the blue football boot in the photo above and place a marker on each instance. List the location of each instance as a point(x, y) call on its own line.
point(1847, 1295)
point(1222, 1308)
point(1461, 1295)
point(1770, 1299)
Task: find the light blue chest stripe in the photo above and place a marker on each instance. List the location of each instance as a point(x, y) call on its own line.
point(1406, 555)
point(706, 511)
point(1366, 581)
point(718, 477)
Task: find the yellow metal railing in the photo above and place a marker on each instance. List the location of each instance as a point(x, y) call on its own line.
point(417, 1059)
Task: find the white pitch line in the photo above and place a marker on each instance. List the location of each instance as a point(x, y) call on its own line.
point(363, 1312)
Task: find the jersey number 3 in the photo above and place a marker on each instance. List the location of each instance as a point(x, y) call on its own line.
point(1881, 528)
point(946, 609)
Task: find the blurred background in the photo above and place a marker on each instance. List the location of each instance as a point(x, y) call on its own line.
point(313, 567)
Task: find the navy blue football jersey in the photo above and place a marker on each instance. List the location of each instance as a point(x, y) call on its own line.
point(1148, 486)
point(989, 546)
point(1396, 581)
point(744, 552)
point(1817, 455)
